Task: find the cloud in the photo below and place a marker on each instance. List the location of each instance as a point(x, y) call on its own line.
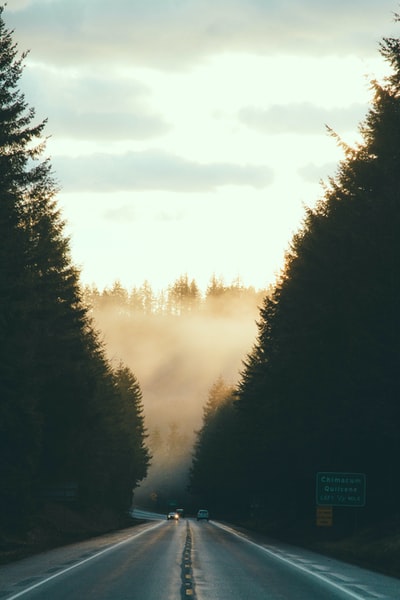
point(169, 216)
point(314, 173)
point(174, 33)
point(20, 4)
point(92, 105)
point(301, 118)
point(153, 170)
point(126, 213)
point(121, 214)
point(105, 125)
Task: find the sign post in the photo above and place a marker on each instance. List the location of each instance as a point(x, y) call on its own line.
point(324, 516)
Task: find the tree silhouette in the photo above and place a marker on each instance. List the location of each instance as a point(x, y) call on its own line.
point(320, 389)
point(57, 389)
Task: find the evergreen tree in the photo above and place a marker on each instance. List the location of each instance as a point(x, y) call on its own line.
point(320, 389)
point(132, 423)
point(213, 474)
point(114, 455)
point(183, 297)
point(24, 234)
point(64, 415)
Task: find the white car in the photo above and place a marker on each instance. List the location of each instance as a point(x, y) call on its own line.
point(203, 515)
point(173, 516)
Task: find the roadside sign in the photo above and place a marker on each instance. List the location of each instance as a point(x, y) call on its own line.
point(67, 491)
point(340, 489)
point(324, 516)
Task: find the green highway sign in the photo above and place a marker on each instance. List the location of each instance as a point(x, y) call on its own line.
point(340, 489)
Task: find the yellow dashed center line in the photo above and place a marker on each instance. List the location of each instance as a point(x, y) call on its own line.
point(187, 588)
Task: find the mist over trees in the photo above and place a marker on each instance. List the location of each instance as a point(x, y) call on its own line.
point(66, 416)
point(213, 447)
point(181, 298)
point(320, 389)
point(179, 342)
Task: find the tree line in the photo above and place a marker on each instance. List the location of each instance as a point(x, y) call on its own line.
point(182, 298)
point(178, 340)
point(320, 390)
point(67, 418)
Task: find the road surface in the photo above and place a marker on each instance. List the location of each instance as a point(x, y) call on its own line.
point(167, 560)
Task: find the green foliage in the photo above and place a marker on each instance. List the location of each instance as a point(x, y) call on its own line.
point(320, 390)
point(131, 424)
point(20, 180)
point(64, 415)
point(213, 474)
point(112, 450)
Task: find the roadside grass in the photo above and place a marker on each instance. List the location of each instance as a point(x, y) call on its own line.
point(376, 547)
point(58, 525)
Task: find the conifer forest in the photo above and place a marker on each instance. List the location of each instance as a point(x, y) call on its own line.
point(249, 393)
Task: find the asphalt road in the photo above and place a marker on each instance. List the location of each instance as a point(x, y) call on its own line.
point(165, 560)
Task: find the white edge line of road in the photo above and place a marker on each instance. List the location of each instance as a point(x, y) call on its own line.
point(78, 564)
point(291, 563)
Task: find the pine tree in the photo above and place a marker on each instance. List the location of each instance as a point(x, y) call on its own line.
point(134, 455)
point(43, 323)
point(213, 473)
point(65, 416)
point(20, 421)
point(320, 390)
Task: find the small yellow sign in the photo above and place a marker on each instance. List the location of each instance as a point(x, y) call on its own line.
point(324, 516)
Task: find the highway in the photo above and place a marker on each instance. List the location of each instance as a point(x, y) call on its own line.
point(167, 560)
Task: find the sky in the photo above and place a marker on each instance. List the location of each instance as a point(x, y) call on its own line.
point(188, 136)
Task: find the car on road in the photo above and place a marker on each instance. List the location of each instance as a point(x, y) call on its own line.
point(202, 515)
point(173, 516)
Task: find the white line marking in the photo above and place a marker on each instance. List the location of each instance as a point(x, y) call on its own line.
point(349, 580)
point(305, 561)
point(320, 567)
point(82, 562)
point(293, 564)
point(365, 589)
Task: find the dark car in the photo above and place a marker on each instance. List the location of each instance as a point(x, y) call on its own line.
point(203, 515)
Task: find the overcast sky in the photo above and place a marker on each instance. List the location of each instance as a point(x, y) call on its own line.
point(188, 135)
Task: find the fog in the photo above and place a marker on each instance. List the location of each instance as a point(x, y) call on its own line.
point(176, 359)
